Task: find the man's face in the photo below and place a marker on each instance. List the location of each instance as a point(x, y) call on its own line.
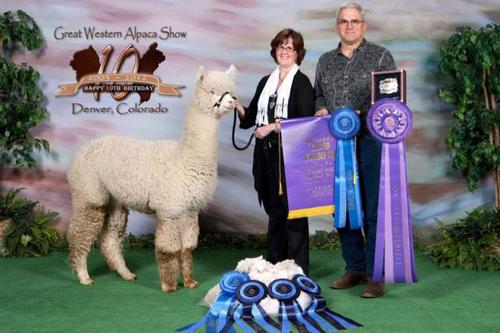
point(350, 26)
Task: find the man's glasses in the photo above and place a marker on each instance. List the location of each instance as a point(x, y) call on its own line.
point(287, 49)
point(344, 23)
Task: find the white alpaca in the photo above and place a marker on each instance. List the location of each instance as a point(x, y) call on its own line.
point(173, 179)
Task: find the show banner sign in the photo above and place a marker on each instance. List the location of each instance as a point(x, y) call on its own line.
point(309, 159)
point(92, 74)
point(131, 33)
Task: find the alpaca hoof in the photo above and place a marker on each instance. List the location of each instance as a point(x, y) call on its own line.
point(191, 283)
point(87, 281)
point(168, 288)
point(129, 276)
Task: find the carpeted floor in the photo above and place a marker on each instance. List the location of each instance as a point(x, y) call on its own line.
point(43, 295)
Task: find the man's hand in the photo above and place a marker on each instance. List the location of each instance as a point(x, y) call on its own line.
point(321, 112)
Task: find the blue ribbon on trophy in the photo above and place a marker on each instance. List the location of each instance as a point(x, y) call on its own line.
point(219, 311)
point(344, 125)
point(249, 315)
point(318, 312)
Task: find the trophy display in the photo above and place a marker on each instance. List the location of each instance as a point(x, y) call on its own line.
point(389, 84)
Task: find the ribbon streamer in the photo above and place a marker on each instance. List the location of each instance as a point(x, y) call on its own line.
point(222, 306)
point(249, 315)
point(290, 312)
point(344, 125)
point(318, 312)
point(390, 121)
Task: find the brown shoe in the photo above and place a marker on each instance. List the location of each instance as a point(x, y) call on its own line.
point(349, 280)
point(373, 289)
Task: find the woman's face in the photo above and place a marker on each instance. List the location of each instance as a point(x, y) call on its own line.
point(286, 54)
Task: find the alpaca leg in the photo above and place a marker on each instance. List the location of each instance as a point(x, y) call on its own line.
point(168, 252)
point(112, 240)
point(86, 223)
point(189, 237)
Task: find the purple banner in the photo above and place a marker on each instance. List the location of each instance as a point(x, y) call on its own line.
point(309, 159)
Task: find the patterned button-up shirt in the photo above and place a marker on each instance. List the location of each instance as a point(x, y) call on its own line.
point(341, 81)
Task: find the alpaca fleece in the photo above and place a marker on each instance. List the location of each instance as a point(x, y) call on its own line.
point(171, 179)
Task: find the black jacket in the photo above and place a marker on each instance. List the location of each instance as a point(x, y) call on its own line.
point(300, 104)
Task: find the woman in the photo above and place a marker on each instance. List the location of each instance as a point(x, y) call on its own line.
point(286, 93)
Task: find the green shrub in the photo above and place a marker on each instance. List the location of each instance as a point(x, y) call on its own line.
point(29, 233)
point(472, 243)
point(321, 240)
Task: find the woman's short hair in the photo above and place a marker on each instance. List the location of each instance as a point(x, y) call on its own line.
point(297, 41)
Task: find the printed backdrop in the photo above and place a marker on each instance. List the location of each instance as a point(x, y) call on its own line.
point(215, 34)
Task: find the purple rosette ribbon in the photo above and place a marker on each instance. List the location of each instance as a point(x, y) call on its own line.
point(390, 121)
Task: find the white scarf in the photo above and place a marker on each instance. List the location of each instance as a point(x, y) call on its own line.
point(283, 95)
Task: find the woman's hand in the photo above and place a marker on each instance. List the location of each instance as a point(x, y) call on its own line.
point(263, 131)
point(239, 108)
point(321, 112)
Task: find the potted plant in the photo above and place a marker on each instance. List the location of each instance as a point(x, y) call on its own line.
point(470, 69)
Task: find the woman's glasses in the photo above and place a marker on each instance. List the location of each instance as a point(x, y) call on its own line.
point(285, 49)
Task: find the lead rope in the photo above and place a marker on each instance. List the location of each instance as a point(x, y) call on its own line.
point(233, 135)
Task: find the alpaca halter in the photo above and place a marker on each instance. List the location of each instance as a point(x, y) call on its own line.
point(218, 103)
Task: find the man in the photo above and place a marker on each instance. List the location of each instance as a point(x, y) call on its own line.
point(343, 79)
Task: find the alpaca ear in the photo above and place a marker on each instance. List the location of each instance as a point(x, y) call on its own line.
point(200, 73)
point(231, 72)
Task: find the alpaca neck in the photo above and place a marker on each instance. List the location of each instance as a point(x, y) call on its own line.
point(201, 132)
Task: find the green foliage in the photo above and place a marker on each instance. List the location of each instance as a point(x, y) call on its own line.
point(232, 241)
point(321, 240)
point(472, 243)
point(19, 28)
point(470, 69)
point(29, 232)
point(21, 100)
point(139, 242)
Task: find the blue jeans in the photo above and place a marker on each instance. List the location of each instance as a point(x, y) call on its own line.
point(359, 253)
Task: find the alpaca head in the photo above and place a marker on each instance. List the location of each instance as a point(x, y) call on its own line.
point(215, 91)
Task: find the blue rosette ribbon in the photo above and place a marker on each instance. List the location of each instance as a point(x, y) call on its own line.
point(344, 125)
point(317, 312)
point(249, 315)
point(219, 313)
point(290, 312)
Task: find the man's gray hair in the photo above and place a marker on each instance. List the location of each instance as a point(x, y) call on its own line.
point(351, 5)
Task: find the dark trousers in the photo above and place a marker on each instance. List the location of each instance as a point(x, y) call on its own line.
point(359, 253)
point(286, 239)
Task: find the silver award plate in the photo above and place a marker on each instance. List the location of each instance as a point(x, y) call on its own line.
point(389, 84)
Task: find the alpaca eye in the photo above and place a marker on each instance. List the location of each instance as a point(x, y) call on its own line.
point(212, 92)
